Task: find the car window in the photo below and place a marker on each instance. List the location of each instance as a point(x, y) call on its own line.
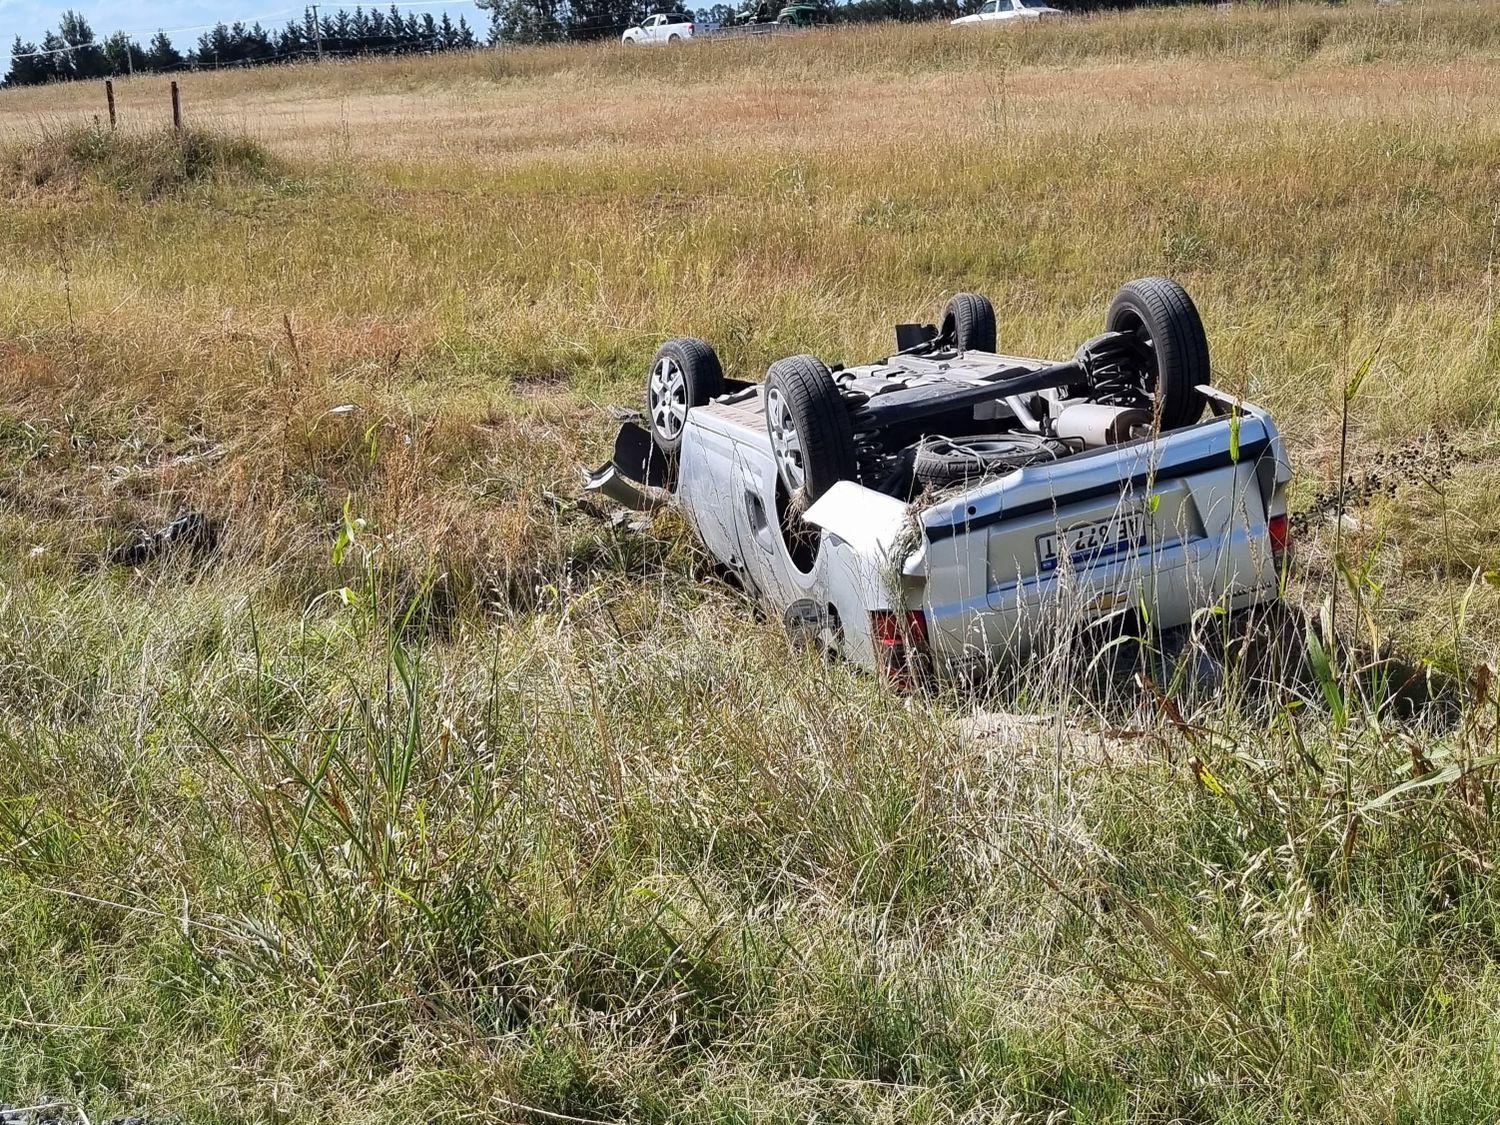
point(989, 6)
point(654, 21)
point(1030, 4)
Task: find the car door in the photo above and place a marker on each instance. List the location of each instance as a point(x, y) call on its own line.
point(990, 9)
point(760, 535)
point(656, 29)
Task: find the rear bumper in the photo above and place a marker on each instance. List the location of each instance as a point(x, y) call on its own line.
point(1204, 493)
point(1166, 590)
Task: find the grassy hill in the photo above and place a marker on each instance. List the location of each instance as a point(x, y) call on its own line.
point(426, 794)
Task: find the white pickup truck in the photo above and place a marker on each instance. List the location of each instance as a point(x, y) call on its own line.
point(956, 505)
point(663, 27)
point(993, 12)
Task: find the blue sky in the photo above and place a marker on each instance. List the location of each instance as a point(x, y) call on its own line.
point(31, 19)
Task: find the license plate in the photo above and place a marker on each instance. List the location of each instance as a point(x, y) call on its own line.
point(1096, 541)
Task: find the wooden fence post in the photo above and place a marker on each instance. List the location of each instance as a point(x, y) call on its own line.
point(109, 97)
point(176, 108)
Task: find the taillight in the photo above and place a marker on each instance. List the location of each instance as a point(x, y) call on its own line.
point(1281, 533)
point(896, 630)
point(899, 638)
point(692, 29)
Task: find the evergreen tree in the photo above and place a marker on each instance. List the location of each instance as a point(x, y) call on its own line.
point(162, 55)
point(415, 38)
point(359, 29)
point(379, 35)
point(27, 71)
point(258, 46)
point(289, 42)
point(57, 57)
point(337, 32)
point(85, 60)
point(216, 48)
point(123, 56)
point(467, 42)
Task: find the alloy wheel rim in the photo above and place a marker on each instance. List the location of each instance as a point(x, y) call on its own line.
point(666, 397)
point(786, 443)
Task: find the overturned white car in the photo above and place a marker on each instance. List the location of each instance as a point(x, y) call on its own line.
point(958, 505)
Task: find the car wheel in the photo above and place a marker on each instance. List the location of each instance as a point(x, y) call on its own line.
point(941, 462)
point(969, 322)
point(808, 423)
point(674, 39)
point(1174, 346)
point(685, 373)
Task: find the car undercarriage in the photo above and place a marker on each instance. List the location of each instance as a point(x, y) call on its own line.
point(975, 491)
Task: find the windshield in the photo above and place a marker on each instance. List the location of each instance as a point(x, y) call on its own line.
point(1031, 4)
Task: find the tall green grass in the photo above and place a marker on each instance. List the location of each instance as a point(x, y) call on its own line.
point(622, 859)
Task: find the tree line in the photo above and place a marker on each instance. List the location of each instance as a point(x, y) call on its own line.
point(73, 52)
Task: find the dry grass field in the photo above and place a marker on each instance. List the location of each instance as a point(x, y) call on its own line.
point(426, 794)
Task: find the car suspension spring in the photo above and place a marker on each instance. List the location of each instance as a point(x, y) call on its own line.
point(1114, 370)
point(1116, 383)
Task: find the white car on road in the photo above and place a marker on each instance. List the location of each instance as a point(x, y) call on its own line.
point(664, 27)
point(995, 11)
point(963, 505)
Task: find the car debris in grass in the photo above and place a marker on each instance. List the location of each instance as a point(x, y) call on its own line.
point(191, 531)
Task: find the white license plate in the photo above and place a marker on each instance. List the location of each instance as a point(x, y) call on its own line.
point(1086, 544)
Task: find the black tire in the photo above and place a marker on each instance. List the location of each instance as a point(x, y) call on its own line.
point(969, 322)
point(940, 462)
point(684, 373)
point(809, 427)
point(1161, 313)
